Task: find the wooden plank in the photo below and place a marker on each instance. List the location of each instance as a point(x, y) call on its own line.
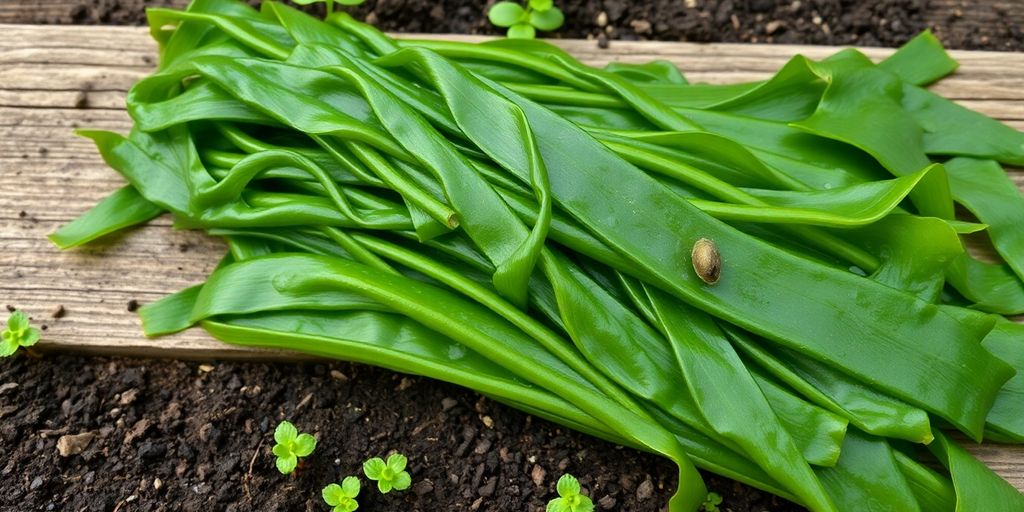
point(45, 72)
point(48, 176)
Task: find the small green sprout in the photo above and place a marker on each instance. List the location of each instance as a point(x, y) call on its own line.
point(330, 3)
point(569, 498)
point(17, 334)
point(290, 446)
point(523, 22)
point(342, 498)
point(389, 475)
point(712, 502)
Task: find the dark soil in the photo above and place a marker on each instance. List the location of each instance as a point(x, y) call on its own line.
point(974, 24)
point(171, 435)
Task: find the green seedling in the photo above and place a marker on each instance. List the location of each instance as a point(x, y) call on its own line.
point(712, 502)
point(17, 334)
point(523, 21)
point(388, 475)
point(330, 3)
point(342, 498)
point(291, 445)
point(569, 498)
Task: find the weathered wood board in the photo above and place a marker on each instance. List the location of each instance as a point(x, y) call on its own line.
point(54, 79)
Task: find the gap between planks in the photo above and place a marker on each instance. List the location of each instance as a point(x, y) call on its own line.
point(48, 177)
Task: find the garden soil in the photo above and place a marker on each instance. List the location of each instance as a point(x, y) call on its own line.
point(108, 434)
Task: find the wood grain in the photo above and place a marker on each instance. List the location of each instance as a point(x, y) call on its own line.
point(55, 79)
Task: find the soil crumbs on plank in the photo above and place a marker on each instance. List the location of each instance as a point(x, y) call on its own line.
point(171, 435)
point(963, 24)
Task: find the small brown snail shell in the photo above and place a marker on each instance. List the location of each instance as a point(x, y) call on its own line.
point(707, 262)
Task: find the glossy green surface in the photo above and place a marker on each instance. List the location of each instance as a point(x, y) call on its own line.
point(506, 218)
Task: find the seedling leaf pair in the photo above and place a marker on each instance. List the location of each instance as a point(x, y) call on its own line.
point(330, 3)
point(712, 502)
point(569, 498)
point(342, 498)
point(291, 445)
point(523, 22)
point(17, 334)
point(388, 475)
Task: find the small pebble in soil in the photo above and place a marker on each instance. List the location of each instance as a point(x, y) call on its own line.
point(37, 482)
point(606, 502)
point(205, 431)
point(645, 491)
point(69, 445)
point(642, 27)
point(128, 397)
point(482, 447)
point(137, 430)
point(448, 403)
point(151, 451)
point(537, 474)
point(488, 489)
point(423, 487)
